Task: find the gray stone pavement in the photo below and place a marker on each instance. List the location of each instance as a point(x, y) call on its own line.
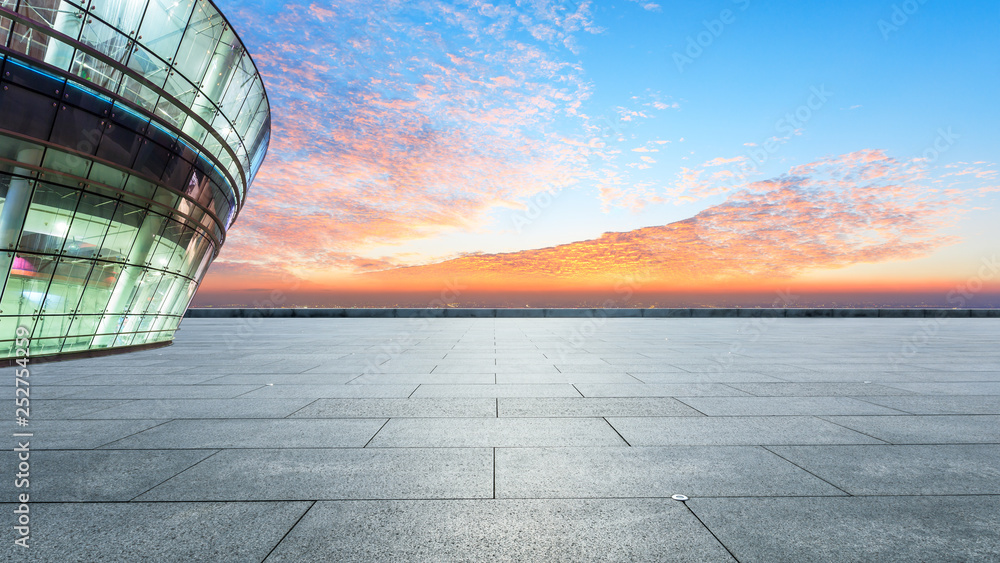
point(505, 439)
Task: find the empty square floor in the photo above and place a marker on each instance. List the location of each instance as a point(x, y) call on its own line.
point(548, 439)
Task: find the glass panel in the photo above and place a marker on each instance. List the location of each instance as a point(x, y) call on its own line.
point(206, 261)
point(14, 149)
point(96, 71)
point(163, 291)
point(119, 145)
point(163, 25)
point(181, 88)
point(222, 66)
point(61, 16)
point(126, 338)
point(50, 326)
point(8, 325)
point(65, 162)
point(145, 324)
point(166, 197)
point(181, 299)
point(193, 254)
point(77, 344)
point(145, 289)
point(250, 111)
point(148, 236)
point(26, 285)
point(240, 87)
point(170, 113)
point(140, 187)
point(97, 290)
point(176, 173)
point(200, 39)
point(5, 259)
point(150, 67)
point(121, 14)
point(84, 324)
point(48, 218)
point(67, 286)
point(5, 24)
point(27, 40)
point(90, 224)
point(35, 115)
point(77, 129)
point(122, 232)
point(108, 41)
point(107, 175)
point(151, 161)
point(192, 128)
point(40, 347)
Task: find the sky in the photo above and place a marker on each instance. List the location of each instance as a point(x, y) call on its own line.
point(620, 153)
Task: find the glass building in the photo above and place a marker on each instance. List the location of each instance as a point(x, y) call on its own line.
point(129, 134)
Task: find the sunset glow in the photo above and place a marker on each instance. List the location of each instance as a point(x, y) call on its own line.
point(622, 153)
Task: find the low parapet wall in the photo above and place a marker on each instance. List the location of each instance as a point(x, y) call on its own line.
point(213, 313)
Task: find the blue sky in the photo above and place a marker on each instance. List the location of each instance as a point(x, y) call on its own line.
point(412, 133)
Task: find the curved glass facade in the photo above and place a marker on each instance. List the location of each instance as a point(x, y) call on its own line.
point(129, 134)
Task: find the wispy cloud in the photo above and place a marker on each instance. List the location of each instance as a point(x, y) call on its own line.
point(860, 207)
point(387, 129)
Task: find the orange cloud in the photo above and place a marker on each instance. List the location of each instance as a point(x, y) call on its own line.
point(860, 207)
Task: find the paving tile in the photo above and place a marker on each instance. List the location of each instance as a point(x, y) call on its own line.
point(734, 431)
point(512, 390)
point(595, 406)
point(63, 409)
point(505, 530)
point(892, 529)
point(659, 390)
point(162, 532)
point(397, 408)
point(200, 408)
point(80, 434)
point(283, 379)
point(650, 472)
point(726, 376)
point(425, 379)
point(144, 379)
point(330, 392)
point(569, 378)
point(91, 476)
point(495, 432)
point(921, 429)
point(969, 469)
point(158, 391)
point(783, 406)
point(768, 368)
point(941, 404)
point(334, 474)
point(254, 433)
point(952, 388)
point(819, 389)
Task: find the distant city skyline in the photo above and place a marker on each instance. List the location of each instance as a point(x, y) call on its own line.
point(564, 152)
